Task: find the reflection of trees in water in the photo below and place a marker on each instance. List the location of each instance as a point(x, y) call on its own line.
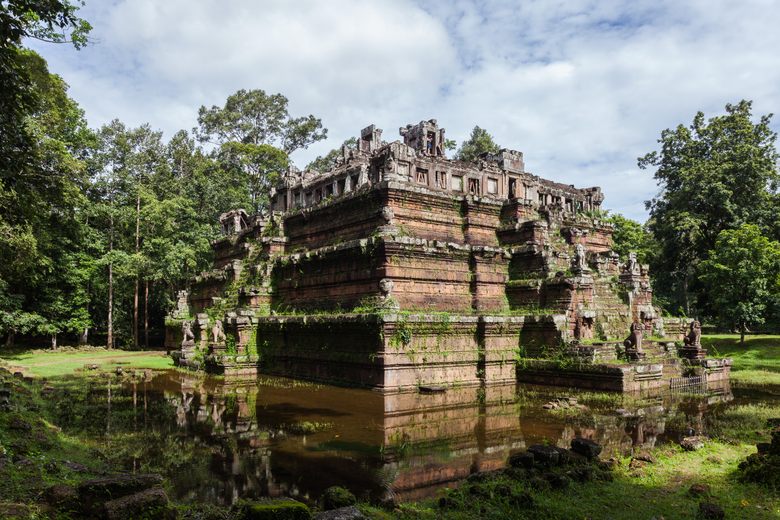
point(215, 443)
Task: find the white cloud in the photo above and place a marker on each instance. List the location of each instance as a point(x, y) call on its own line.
point(582, 87)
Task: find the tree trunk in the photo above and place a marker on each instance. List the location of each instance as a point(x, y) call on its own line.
point(110, 333)
point(84, 336)
point(54, 340)
point(135, 314)
point(742, 334)
point(146, 314)
point(686, 300)
point(137, 281)
point(9, 340)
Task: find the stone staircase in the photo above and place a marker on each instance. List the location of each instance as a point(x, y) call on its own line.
point(613, 315)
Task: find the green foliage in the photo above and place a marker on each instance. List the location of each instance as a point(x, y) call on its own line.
point(714, 175)
point(478, 143)
point(335, 497)
point(743, 274)
point(54, 21)
point(629, 236)
point(254, 117)
point(255, 134)
point(402, 335)
point(45, 251)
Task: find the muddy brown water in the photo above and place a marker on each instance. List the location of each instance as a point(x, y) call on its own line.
point(221, 440)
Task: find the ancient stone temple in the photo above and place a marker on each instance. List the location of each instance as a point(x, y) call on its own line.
point(402, 269)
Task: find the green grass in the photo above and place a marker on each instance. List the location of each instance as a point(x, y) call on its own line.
point(25, 434)
point(659, 490)
point(46, 363)
point(756, 363)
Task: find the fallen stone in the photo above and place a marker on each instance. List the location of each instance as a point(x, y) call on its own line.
point(539, 484)
point(151, 504)
point(22, 461)
point(522, 499)
point(481, 476)
point(568, 457)
point(522, 460)
point(91, 366)
point(609, 464)
point(692, 443)
point(517, 474)
point(581, 474)
point(710, 511)
point(346, 513)
point(62, 496)
point(11, 511)
point(444, 503)
point(699, 490)
point(113, 487)
point(547, 455)
point(645, 457)
point(336, 497)
point(775, 444)
point(281, 509)
point(636, 464)
point(502, 489)
point(75, 466)
point(557, 481)
point(586, 447)
point(17, 423)
point(478, 490)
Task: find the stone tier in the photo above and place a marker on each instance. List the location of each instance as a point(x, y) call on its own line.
point(641, 376)
point(400, 352)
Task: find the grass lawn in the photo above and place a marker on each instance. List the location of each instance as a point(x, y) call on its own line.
point(46, 363)
point(756, 363)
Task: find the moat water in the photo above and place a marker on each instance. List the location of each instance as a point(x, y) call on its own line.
point(219, 440)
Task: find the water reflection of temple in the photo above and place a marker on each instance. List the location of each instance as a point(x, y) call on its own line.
point(287, 438)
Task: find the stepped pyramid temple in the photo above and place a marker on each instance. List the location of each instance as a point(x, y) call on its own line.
point(401, 269)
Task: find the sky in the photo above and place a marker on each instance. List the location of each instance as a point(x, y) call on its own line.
point(581, 87)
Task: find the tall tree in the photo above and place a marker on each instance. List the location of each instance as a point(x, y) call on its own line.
point(478, 143)
point(128, 159)
point(43, 258)
point(714, 175)
point(254, 134)
point(743, 272)
point(53, 21)
point(629, 235)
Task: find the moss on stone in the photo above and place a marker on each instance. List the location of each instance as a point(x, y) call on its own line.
point(275, 510)
point(336, 497)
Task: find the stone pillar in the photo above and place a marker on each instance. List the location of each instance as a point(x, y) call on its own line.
point(243, 333)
